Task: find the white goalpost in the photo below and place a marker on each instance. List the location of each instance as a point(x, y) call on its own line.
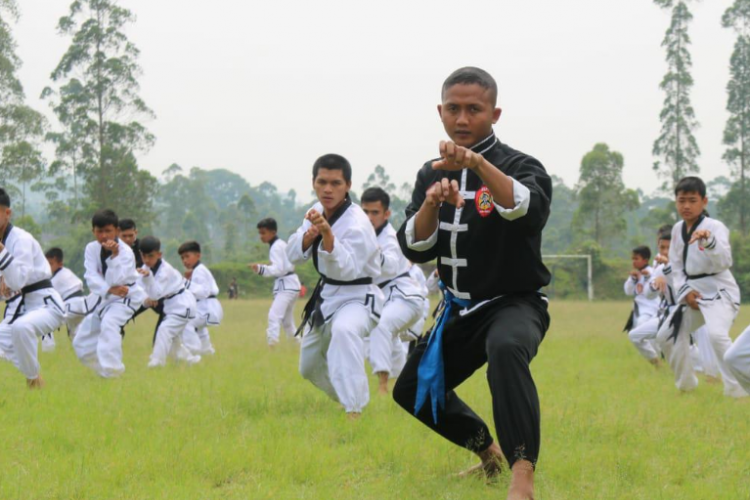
point(589, 266)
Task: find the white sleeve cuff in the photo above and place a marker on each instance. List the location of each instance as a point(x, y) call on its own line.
point(419, 246)
point(328, 255)
point(521, 198)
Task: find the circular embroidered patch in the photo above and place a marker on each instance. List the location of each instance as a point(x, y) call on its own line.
point(484, 202)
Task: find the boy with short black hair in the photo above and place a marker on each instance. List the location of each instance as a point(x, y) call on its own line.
point(645, 306)
point(203, 286)
point(404, 298)
point(164, 284)
point(112, 277)
point(33, 307)
point(70, 288)
point(286, 284)
point(643, 335)
point(707, 293)
point(346, 303)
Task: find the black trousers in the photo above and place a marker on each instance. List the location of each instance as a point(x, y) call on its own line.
point(506, 335)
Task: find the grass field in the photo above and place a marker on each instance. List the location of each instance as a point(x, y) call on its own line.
point(244, 424)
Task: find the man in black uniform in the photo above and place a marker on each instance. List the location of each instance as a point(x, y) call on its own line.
point(479, 210)
point(128, 232)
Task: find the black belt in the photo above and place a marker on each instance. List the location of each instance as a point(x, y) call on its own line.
point(699, 276)
point(174, 294)
point(288, 274)
point(330, 281)
point(388, 282)
point(211, 297)
point(311, 314)
point(35, 287)
point(73, 295)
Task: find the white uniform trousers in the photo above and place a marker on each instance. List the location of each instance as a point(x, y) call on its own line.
point(398, 315)
point(737, 359)
point(417, 328)
point(168, 341)
point(196, 337)
point(702, 355)
point(332, 356)
point(98, 343)
point(75, 312)
point(42, 313)
point(718, 316)
point(701, 349)
point(643, 337)
point(281, 315)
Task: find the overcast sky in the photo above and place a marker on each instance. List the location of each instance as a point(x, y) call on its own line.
point(263, 88)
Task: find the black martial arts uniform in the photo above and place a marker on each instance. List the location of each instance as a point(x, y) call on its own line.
point(489, 260)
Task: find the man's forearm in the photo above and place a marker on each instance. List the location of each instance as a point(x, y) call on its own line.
point(499, 184)
point(425, 221)
point(328, 241)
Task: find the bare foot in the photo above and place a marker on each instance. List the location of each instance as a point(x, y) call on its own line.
point(35, 383)
point(655, 363)
point(490, 467)
point(522, 481)
point(382, 383)
point(712, 380)
point(354, 415)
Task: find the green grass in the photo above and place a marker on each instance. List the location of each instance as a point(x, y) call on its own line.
point(244, 424)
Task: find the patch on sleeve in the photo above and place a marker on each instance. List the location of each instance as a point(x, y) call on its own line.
point(484, 202)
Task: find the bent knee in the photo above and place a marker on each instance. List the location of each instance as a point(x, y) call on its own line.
point(307, 369)
point(21, 329)
point(347, 331)
point(509, 349)
point(732, 357)
point(110, 324)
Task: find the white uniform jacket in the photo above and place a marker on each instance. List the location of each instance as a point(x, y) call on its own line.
point(396, 280)
point(26, 273)
point(646, 304)
point(348, 273)
point(703, 266)
point(103, 272)
point(203, 286)
point(165, 284)
point(280, 268)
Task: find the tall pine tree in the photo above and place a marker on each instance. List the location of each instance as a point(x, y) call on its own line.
point(737, 130)
point(676, 146)
point(98, 104)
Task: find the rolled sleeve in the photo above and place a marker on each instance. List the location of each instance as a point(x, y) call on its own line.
point(521, 198)
point(331, 256)
point(419, 246)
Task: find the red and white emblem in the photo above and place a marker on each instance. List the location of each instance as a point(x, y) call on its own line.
point(484, 202)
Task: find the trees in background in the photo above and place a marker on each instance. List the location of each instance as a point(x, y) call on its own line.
point(21, 127)
point(737, 130)
point(676, 148)
point(603, 199)
point(98, 105)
